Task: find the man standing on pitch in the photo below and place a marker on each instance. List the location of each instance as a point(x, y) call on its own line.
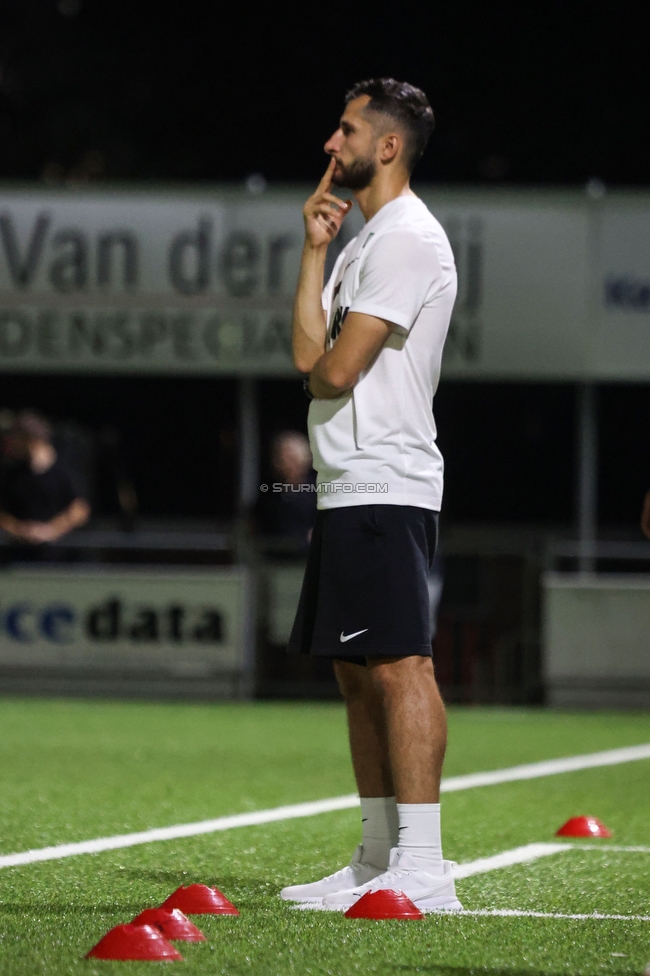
point(371, 344)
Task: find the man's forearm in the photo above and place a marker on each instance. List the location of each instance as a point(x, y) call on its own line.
point(322, 384)
point(361, 339)
point(11, 525)
point(309, 322)
point(75, 515)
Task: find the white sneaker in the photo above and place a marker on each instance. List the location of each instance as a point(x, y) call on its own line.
point(428, 892)
point(351, 876)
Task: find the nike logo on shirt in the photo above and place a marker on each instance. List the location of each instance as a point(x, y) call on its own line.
point(343, 638)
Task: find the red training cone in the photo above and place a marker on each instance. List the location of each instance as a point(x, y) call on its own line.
point(198, 899)
point(384, 903)
point(171, 922)
point(584, 827)
point(134, 942)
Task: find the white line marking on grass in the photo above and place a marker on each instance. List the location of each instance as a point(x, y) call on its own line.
point(610, 847)
point(450, 785)
point(532, 852)
point(518, 855)
point(499, 913)
point(549, 767)
point(180, 830)
point(517, 913)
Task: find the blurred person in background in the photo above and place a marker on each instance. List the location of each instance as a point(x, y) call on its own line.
point(288, 509)
point(116, 490)
point(39, 502)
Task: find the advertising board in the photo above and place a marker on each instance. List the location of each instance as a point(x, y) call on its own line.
point(552, 285)
point(597, 639)
point(620, 342)
point(170, 624)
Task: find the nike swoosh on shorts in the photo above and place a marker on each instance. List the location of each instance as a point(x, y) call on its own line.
point(343, 638)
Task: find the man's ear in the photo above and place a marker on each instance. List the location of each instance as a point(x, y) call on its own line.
point(391, 144)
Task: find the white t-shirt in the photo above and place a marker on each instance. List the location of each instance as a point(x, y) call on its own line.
point(376, 444)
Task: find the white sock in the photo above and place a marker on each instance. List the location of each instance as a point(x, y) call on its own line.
point(419, 834)
point(379, 829)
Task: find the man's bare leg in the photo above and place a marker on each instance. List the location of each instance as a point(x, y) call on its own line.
point(372, 770)
point(416, 725)
point(366, 728)
point(412, 733)
point(370, 761)
point(398, 736)
point(416, 736)
point(397, 727)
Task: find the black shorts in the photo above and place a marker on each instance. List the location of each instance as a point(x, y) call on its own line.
point(365, 590)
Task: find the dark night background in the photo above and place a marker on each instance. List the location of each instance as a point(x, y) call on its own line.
point(536, 93)
point(550, 94)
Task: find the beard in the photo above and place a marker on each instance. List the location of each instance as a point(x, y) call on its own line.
point(357, 175)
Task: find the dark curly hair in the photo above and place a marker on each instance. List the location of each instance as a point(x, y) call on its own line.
point(406, 105)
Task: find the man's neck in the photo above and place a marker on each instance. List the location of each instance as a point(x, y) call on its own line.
point(380, 192)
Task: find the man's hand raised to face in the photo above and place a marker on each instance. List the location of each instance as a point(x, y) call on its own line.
point(324, 212)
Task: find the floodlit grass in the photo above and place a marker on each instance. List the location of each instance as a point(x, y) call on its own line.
point(78, 770)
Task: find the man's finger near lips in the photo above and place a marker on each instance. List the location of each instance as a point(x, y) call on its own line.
point(327, 176)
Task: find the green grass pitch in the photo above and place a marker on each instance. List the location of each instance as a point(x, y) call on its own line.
point(76, 770)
